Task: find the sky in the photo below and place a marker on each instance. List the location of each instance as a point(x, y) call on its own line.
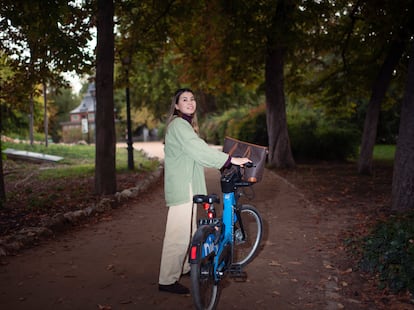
point(74, 81)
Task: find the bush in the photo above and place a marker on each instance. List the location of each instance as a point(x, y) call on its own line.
point(312, 136)
point(334, 142)
point(252, 128)
point(302, 135)
point(389, 251)
point(214, 128)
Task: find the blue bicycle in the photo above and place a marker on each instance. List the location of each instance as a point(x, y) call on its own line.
point(223, 246)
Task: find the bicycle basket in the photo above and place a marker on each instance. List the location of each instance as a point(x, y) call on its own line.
point(256, 153)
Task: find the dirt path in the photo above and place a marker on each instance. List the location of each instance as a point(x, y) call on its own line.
point(114, 264)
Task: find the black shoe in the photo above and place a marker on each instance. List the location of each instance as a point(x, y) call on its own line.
point(175, 288)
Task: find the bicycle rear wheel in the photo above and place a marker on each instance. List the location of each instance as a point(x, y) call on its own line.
point(248, 231)
point(203, 284)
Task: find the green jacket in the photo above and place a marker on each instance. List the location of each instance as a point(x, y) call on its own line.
point(186, 155)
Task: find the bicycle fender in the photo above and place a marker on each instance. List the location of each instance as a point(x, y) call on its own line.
point(197, 242)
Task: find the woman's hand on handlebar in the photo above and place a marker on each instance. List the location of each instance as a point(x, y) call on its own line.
point(240, 161)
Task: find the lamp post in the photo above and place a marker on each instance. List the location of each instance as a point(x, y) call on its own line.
point(126, 61)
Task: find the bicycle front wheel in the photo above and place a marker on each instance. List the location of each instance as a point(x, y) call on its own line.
point(248, 231)
point(204, 286)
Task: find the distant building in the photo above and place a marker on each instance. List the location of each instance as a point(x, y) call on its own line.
point(82, 120)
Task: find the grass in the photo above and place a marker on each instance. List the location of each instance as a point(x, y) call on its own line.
point(79, 160)
point(35, 190)
point(384, 152)
point(70, 153)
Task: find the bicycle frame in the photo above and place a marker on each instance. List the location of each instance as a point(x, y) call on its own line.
point(223, 247)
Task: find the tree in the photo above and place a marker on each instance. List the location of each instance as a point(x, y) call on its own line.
point(142, 34)
point(8, 88)
point(222, 45)
point(229, 42)
point(105, 166)
point(47, 38)
point(403, 178)
point(2, 187)
point(61, 102)
point(379, 89)
point(259, 37)
point(280, 154)
point(393, 26)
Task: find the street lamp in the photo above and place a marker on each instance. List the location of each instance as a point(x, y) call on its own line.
point(126, 61)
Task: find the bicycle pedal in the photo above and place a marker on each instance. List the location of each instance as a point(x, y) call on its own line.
point(236, 273)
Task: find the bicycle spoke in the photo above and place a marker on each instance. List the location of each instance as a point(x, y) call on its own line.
point(247, 237)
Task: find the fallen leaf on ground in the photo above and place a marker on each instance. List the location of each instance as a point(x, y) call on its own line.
point(295, 263)
point(274, 263)
point(349, 270)
point(110, 267)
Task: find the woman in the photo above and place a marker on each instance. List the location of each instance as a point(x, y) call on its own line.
point(186, 155)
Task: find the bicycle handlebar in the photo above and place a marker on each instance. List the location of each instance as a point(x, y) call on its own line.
point(233, 180)
point(249, 165)
point(243, 184)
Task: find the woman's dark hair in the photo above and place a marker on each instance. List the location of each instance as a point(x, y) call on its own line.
point(179, 92)
point(174, 111)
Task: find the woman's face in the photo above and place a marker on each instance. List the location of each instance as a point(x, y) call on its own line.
point(186, 103)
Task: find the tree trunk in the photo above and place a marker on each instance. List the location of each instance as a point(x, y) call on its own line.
point(105, 169)
point(2, 188)
point(207, 103)
point(280, 153)
point(403, 178)
point(31, 119)
point(374, 107)
point(45, 119)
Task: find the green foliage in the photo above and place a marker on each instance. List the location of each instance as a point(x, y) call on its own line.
point(334, 141)
point(14, 121)
point(41, 40)
point(389, 121)
point(214, 128)
point(389, 252)
point(312, 134)
point(252, 127)
point(49, 45)
point(152, 84)
point(63, 101)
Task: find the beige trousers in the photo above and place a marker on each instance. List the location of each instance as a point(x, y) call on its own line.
point(181, 225)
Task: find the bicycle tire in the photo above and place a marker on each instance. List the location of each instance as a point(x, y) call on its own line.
point(203, 285)
point(244, 250)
